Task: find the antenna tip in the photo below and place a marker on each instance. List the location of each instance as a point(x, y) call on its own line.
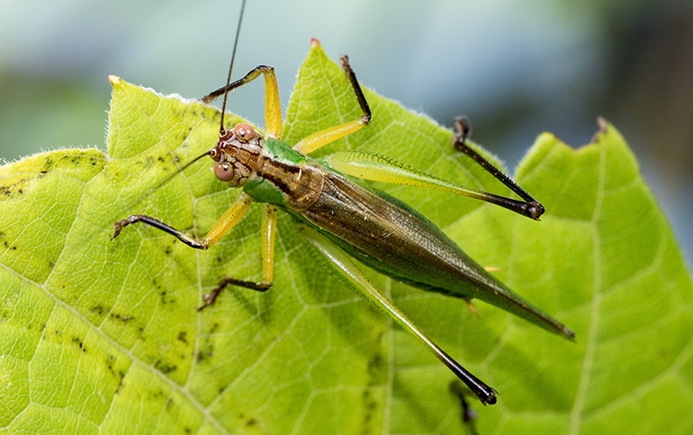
point(314, 42)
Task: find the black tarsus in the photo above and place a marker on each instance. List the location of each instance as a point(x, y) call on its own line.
point(530, 207)
point(211, 297)
point(183, 237)
point(224, 90)
point(486, 394)
point(351, 76)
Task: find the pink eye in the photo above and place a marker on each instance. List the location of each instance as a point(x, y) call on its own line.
point(224, 172)
point(244, 132)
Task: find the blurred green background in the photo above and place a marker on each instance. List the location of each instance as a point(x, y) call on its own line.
point(516, 68)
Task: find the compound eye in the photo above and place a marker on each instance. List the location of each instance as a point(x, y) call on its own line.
point(244, 132)
point(224, 172)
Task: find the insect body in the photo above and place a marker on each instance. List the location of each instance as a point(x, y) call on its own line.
point(338, 216)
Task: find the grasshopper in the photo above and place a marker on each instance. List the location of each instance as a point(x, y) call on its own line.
point(345, 220)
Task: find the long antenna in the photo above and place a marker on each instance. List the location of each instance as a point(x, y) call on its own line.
point(233, 57)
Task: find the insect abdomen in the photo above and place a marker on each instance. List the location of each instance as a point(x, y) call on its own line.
point(392, 238)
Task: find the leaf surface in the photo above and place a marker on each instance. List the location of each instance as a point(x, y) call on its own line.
point(101, 336)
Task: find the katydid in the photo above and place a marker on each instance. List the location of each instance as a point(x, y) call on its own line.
point(345, 220)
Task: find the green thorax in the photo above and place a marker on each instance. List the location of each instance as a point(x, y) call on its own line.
point(286, 178)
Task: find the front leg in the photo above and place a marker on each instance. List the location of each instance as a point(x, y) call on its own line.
point(228, 220)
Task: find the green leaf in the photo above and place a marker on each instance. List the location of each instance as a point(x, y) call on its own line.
point(100, 335)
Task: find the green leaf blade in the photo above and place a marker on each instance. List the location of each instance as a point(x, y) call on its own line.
point(103, 336)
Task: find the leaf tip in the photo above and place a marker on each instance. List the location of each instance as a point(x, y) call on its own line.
point(316, 46)
point(115, 80)
point(604, 126)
